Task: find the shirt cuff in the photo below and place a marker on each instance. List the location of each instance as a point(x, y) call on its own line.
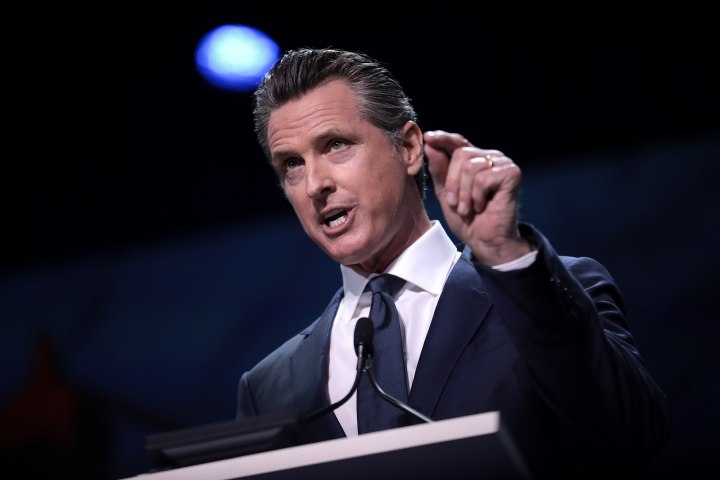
point(522, 262)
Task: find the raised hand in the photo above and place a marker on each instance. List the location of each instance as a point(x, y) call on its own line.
point(478, 192)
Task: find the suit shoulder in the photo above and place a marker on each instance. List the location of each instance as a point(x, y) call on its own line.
point(277, 358)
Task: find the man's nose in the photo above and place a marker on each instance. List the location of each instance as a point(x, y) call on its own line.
point(318, 178)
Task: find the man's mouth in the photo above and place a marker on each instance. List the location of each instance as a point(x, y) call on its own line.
point(335, 218)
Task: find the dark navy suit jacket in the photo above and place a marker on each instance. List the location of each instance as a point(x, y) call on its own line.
point(548, 346)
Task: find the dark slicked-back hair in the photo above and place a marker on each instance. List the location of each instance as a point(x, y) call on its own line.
point(381, 98)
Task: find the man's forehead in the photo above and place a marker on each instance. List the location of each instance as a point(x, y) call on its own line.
point(314, 119)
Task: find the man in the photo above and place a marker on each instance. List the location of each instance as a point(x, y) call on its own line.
point(503, 323)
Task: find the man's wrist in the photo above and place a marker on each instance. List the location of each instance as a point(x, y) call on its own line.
point(521, 262)
point(505, 252)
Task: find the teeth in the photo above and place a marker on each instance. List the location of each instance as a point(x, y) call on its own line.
point(338, 221)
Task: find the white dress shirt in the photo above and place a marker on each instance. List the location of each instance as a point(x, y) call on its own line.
point(425, 266)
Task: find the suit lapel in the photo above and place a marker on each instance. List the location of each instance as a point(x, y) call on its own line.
point(460, 311)
point(309, 377)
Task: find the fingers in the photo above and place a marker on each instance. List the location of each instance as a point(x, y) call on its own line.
point(477, 178)
point(466, 177)
point(470, 188)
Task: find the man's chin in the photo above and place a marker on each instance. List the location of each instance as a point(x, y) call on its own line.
point(343, 256)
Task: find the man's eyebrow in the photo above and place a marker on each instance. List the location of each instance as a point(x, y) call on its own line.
point(321, 138)
point(278, 155)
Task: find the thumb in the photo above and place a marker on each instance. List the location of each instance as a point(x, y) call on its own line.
point(439, 148)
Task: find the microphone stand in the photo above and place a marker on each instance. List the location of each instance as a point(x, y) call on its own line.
point(362, 357)
point(363, 348)
point(406, 408)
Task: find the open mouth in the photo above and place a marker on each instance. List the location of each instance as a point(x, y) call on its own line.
point(336, 218)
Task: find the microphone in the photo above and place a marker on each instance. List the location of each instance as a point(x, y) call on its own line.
point(363, 348)
point(364, 331)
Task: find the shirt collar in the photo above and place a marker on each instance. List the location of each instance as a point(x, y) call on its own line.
point(426, 264)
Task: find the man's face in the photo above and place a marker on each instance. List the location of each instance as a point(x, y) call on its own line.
point(351, 189)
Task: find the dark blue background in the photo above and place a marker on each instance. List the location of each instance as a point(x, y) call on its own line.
point(153, 259)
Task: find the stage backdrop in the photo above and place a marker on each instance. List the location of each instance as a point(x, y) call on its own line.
point(102, 350)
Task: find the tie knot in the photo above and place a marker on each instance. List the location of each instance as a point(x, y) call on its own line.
point(387, 283)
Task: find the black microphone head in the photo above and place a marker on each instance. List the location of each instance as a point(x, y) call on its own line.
point(364, 329)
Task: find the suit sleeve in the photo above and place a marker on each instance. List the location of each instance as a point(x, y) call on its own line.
point(566, 318)
point(246, 403)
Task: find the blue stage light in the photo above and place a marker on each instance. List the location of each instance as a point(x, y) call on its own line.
point(235, 57)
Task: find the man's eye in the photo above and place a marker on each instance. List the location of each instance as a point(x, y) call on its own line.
point(336, 144)
point(292, 163)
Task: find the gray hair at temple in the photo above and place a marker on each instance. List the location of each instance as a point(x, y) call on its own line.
point(381, 98)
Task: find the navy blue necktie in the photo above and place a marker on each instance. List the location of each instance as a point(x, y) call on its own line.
point(373, 412)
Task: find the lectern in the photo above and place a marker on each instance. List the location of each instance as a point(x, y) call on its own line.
point(470, 447)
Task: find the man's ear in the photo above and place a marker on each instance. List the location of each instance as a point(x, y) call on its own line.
point(412, 147)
